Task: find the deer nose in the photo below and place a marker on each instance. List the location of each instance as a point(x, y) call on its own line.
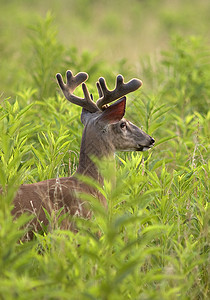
point(152, 141)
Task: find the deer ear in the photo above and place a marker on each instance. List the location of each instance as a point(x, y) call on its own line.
point(114, 113)
point(85, 116)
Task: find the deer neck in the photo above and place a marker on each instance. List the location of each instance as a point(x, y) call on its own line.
point(92, 148)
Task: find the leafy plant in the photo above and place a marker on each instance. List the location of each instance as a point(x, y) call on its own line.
point(153, 240)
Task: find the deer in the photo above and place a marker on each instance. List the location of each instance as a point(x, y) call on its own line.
point(105, 132)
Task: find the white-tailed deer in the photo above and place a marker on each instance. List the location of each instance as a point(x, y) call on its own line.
point(105, 131)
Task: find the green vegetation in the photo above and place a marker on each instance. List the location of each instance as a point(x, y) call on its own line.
point(154, 238)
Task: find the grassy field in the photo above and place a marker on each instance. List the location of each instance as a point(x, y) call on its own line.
point(154, 241)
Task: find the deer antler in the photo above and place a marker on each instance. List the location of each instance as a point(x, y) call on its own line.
point(72, 82)
point(121, 89)
point(105, 96)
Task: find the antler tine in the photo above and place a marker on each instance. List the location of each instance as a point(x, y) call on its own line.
point(106, 96)
point(72, 82)
point(100, 93)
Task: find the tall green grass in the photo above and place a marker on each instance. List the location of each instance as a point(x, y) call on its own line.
point(153, 241)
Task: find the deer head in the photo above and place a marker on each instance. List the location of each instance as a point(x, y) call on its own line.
point(105, 126)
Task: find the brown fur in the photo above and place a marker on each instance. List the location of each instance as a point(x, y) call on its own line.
point(52, 195)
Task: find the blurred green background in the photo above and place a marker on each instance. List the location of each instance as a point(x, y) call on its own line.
point(114, 31)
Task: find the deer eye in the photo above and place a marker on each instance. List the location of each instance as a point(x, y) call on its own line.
point(123, 125)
